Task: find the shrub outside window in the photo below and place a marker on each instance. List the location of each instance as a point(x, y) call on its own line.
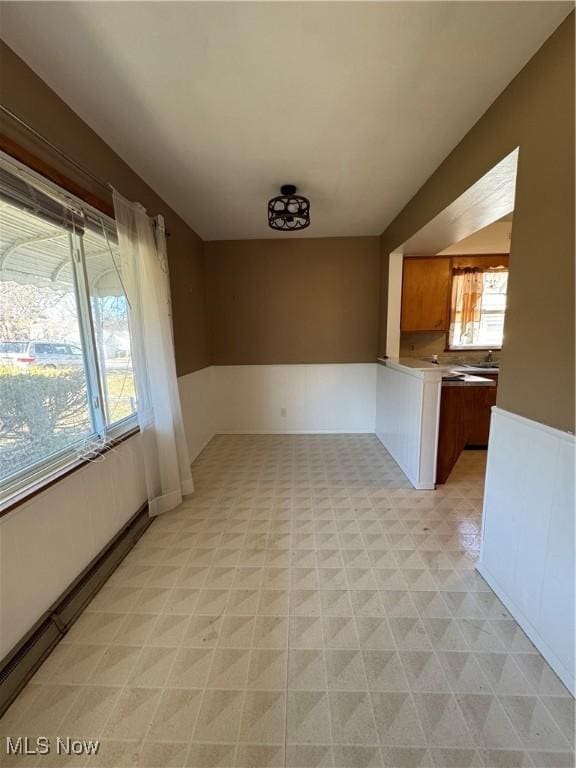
point(65, 361)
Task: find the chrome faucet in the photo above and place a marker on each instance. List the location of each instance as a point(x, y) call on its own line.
point(489, 356)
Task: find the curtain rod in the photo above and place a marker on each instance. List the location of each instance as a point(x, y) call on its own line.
point(82, 168)
point(105, 185)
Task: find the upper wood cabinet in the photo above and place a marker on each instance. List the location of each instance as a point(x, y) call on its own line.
point(426, 285)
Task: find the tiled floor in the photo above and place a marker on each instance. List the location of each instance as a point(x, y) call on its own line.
point(305, 608)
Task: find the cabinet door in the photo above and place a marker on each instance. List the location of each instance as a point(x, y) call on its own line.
point(480, 411)
point(426, 294)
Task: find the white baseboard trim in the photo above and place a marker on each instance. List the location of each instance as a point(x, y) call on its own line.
point(201, 448)
point(278, 432)
point(249, 400)
point(292, 399)
point(558, 434)
point(414, 482)
point(295, 432)
point(423, 486)
point(530, 630)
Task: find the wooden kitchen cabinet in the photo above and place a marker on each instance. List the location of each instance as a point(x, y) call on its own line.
point(481, 409)
point(426, 285)
point(464, 421)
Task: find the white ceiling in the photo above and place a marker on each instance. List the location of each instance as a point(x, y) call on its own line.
point(216, 104)
point(488, 200)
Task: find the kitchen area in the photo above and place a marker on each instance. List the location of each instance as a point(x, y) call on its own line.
point(451, 333)
point(467, 396)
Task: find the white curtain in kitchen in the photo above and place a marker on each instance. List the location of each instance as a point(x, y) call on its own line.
point(144, 270)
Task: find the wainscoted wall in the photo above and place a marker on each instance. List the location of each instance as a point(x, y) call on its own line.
point(316, 398)
point(47, 542)
point(198, 408)
point(251, 399)
point(407, 408)
point(528, 532)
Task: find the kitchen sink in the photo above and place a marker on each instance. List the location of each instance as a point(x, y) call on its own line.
point(495, 364)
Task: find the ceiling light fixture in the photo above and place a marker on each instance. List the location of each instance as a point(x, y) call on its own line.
point(288, 211)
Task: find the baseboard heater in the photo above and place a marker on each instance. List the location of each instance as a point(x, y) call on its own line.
point(24, 659)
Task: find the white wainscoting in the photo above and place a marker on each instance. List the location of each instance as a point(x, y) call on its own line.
point(46, 542)
point(198, 408)
point(253, 399)
point(407, 412)
point(295, 398)
point(527, 552)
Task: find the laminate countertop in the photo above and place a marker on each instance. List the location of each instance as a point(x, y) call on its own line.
point(424, 367)
point(466, 380)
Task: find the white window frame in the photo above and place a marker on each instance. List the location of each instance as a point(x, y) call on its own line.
point(31, 479)
point(475, 347)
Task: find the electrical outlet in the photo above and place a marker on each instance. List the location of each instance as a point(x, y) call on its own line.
point(411, 347)
point(282, 411)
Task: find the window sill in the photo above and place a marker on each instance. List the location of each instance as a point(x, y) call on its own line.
point(472, 349)
point(24, 495)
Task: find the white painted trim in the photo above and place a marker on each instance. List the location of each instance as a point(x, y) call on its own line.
point(430, 427)
point(417, 368)
point(559, 434)
point(323, 398)
point(417, 373)
point(394, 306)
point(301, 398)
point(527, 553)
point(202, 446)
point(407, 415)
point(368, 431)
point(198, 406)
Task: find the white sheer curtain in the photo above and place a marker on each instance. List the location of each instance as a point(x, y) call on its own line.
point(144, 269)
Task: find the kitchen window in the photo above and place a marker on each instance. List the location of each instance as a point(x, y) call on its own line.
point(478, 306)
point(66, 380)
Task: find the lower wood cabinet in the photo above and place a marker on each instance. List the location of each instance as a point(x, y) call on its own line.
point(479, 423)
point(464, 420)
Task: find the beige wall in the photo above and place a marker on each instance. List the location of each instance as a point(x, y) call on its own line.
point(494, 238)
point(30, 98)
point(536, 113)
point(311, 300)
point(293, 301)
point(316, 300)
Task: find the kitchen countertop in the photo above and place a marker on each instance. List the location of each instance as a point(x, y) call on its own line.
point(409, 362)
point(475, 370)
point(468, 381)
point(434, 371)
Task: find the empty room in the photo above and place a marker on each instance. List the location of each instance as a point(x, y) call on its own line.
point(287, 384)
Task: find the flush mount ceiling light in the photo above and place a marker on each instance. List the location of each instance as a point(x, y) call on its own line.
point(289, 211)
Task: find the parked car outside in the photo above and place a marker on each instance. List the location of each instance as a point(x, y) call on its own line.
point(45, 354)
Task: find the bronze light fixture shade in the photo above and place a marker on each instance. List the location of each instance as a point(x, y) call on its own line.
point(289, 212)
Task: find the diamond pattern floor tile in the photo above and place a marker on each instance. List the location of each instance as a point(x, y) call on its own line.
point(306, 608)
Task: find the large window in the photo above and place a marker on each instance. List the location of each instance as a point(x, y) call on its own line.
point(478, 308)
point(65, 363)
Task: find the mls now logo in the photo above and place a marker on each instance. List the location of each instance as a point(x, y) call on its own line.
point(24, 745)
